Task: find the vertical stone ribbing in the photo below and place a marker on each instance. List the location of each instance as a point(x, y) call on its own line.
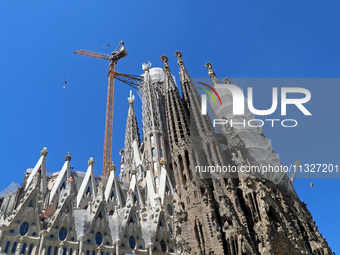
point(155, 148)
point(131, 135)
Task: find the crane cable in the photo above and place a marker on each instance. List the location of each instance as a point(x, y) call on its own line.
point(68, 71)
point(103, 46)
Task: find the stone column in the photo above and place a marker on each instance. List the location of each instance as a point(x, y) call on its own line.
point(18, 249)
point(60, 251)
point(117, 248)
point(150, 246)
point(81, 244)
point(42, 240)
point(1, 232)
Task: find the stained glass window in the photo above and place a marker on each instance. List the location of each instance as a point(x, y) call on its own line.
point(49, 250)
point(7, 246)
point(163, 246)
point(132, 242)
point(24, 228)
point(62, 234)
point(99, 238)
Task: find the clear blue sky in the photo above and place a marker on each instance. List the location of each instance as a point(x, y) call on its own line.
point(240, 38)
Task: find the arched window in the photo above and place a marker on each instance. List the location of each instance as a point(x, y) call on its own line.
point(63, 186)
point(163, 246)
point(30, 250)
point(23, 250)
point(132, 242)
point(24, 228)
point(49, 250)
point(99, 238)
point(88, 190)
point(153, 152)
point(64, 252)
point(14, 247)
point(87, 252)
point(62, 234)
point(169, 208)
point(133, 218)
point(111, 212)
point(56, 250)
point(7, 246)
point(71, 251)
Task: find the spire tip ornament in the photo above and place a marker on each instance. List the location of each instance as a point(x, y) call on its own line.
point(132, 98)
point(147, 66)
point(210, 70)
point(162, 161)
point(113, 166)
point(44, 152)
point(68, 157)
point(226, 80)
point(165, 62)
point(91, 161)
point(179, 55)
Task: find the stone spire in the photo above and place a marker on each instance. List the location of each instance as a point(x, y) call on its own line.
point(154, 122)
point(169, 82)
point(192, 146)
point(199, 123)
point(178, 128)
point(187, 85)
point(131, 135)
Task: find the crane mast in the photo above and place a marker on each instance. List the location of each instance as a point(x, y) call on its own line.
point(131, 80)
point(107, 157)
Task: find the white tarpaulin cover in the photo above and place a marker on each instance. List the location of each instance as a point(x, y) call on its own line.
point(259, 149)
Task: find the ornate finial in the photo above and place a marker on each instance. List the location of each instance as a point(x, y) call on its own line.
point(226, 80)
point(68, 157)
point(162, 161)
point(165, 62)
point(91, 162)
point(179, 55)
point(211, 72)
point(146, 67)
point(131, 99)
point(44, 152)
point(113, 166)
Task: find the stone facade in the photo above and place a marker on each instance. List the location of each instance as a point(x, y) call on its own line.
point(160, 204)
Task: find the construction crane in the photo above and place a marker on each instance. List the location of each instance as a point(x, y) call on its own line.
point(131, 80)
